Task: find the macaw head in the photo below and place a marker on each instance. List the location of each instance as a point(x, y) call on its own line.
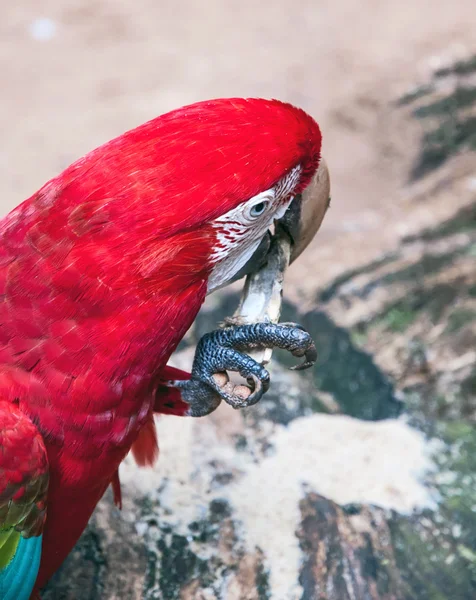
point(190, 195)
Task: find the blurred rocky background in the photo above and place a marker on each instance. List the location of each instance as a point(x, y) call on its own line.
point(356, 481)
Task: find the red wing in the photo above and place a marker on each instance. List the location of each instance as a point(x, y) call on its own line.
point(23, 473)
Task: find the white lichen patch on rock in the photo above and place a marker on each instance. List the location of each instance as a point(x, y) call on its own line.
point(341, 458)
point(352, 461)
point(344, 459)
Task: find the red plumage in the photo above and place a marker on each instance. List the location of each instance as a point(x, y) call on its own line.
point(104, 269)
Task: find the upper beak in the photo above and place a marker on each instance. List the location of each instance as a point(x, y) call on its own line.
point(306, 212)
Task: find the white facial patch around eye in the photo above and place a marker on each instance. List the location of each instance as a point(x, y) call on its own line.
point(240, 230)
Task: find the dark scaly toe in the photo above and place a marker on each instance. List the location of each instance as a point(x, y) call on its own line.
point(214, 355)
point(202, 398)
point(305, 347)
point(225, 350)
point(287, 336)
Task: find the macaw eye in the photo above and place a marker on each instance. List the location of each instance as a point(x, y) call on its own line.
point(258, 209)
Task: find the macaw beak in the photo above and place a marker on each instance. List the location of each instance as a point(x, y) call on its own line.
point(301, 221)
point(306, 212)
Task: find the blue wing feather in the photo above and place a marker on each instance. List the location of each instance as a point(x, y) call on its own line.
point(18, 577)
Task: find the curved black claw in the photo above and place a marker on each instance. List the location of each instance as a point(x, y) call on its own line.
point(223, 350)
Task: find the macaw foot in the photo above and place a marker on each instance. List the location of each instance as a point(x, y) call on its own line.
point(223, 350)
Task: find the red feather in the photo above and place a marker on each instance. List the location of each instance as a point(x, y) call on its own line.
point(116, 490)
point(146, 449)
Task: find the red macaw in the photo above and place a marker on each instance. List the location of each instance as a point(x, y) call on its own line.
point(102, 271)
